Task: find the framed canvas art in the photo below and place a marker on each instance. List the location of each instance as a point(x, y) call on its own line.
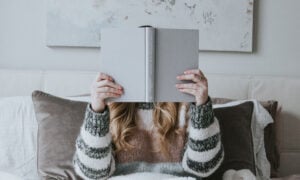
point(224, 25)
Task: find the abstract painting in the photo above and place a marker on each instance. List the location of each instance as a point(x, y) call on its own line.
point(224, 25)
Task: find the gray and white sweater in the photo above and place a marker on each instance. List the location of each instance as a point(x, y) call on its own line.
point(201, 155)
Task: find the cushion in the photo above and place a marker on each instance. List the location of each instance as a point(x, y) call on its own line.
point(18, 137)
point(236, 135)
point(59, 121)
point(271, 146)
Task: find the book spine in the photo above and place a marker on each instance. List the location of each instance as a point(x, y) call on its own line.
point(150, 62)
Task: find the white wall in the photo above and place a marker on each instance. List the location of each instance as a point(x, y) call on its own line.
point(276, 42)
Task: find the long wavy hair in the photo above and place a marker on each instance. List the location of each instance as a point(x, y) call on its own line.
point(165, 117)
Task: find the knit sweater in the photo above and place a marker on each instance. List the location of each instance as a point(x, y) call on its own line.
point(197, 154)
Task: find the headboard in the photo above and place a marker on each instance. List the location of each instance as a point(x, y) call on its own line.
point(60, 83)
point(281, 88)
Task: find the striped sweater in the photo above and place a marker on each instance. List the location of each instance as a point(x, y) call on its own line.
point(198, 154)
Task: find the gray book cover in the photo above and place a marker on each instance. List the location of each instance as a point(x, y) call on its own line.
point(146, 61)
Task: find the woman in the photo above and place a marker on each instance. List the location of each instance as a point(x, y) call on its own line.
point(124, 138)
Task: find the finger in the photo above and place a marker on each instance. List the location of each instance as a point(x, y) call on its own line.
point(188, 91)
point(193, 71)
point(102, 76)
point(188, 86)
point(108, 89)
point(202, 79)
point(193, 77)
point(197, 87)
point(203, 86)
point(196, 71)
point(108, 83)
point(107, 95)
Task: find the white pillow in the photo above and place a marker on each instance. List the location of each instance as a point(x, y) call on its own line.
point(18, 133)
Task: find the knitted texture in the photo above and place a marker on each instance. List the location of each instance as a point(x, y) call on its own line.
point(201, 156)
point(93, 156)
point(145, 105)
point(202, 115)
point(97, 124)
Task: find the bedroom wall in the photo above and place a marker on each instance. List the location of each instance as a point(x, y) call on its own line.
point(276, 42)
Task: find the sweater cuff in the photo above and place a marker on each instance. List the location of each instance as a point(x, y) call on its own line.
point(97, 124)
point(202, 115)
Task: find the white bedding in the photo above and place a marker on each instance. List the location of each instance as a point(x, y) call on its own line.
point(231, 174)
point(18, 132)
point(150, 176)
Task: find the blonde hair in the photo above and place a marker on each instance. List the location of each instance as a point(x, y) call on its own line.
point(165, 117)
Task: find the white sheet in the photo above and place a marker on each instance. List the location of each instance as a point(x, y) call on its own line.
point(150, 176)
point(231, 174)
point(243, 174)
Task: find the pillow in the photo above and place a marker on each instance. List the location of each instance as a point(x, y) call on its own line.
point(271, 146)
point(59, 121)
point(236, 135)
point(18, 137)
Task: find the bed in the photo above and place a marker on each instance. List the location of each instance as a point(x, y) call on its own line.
point(21, 83)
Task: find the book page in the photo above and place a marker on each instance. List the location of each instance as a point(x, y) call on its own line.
point(123, 57)
point(176, 51)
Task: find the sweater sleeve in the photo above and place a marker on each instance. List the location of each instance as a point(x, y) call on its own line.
point(93, 157)
point(204, 151)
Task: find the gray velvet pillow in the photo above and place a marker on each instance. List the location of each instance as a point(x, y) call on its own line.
point(59, 121)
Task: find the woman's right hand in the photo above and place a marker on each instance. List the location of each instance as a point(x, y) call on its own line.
point(103, 87)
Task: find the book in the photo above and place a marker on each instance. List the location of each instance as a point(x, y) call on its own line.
point(146, 61)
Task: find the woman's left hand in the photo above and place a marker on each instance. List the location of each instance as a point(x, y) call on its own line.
point(199, 87)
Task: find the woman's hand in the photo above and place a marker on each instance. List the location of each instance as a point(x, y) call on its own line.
point(199, 87)
point(103, 87)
